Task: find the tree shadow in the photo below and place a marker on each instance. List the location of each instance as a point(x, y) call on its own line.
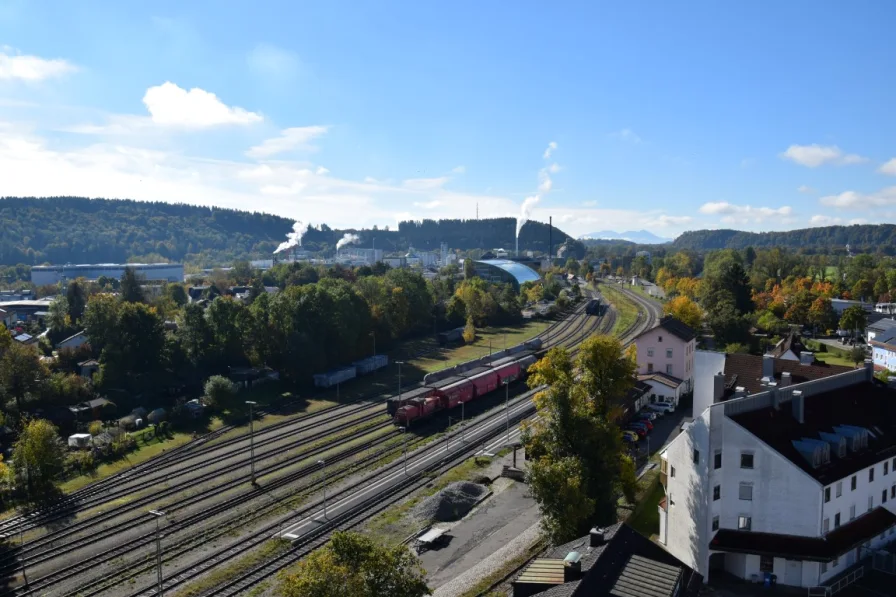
point(10, 565)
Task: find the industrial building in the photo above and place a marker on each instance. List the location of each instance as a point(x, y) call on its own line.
point(42, 275)
point(504, 271)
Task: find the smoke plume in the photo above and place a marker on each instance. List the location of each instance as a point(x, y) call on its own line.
point(294, 238)
point(347, 239)
point(545, 184)
point(526, 212)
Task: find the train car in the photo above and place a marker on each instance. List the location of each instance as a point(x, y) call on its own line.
point(336, 376)
point(459, 391)
point(393, 403)
point(484, 380)
point(508, 373)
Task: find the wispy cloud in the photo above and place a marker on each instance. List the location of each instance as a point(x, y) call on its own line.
point(627, 135)
point(458, 170)
point(734, 214)
point(805, 189)
point(590, 203)
point(665, 221)
point(825, 220)
point(816, 155)
point(291, 139)
point(31, 68)
point(857, 200)
point(550, 150)
point(271, 61)
point(422, 184)
point(888, 168)
point(428, 204)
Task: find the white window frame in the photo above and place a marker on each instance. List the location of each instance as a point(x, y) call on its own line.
point(839, 488)
point(650, 352)
point(741, 492)
point(668, 353)
point(744, 523)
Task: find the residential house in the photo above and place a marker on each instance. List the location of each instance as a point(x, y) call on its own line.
point(669, 349)
point(881, 326)
point(89, 367)
point(790, 348)
point(883, 350)
point(663, 387)
point(841, 305)
point(74, 341)
point(26, 339)
point(797, 481)
point(92, 409)
point(616, 561)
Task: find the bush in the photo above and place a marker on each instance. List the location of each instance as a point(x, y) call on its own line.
point(78, 463)
point(219, 392)
point(164, 429)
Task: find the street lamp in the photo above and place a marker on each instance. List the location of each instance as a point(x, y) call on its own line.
point(403, 431)
point(251, 440)
point(158, 515)
point(323, 471)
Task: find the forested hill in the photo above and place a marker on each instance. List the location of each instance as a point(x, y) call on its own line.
point(80, 230)
point(865, 238)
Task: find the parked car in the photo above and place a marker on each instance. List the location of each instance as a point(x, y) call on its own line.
point(638, 425)
point(629, 436)
point(644, 422)
point(662, 407)
point(641, 431)
point(647, 414)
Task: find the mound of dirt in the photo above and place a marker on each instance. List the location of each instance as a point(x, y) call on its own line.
point(451, 503)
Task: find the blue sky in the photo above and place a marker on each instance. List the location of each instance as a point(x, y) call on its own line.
point(624, 115)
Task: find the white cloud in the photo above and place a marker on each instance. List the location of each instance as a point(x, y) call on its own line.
point(171, 105)
point(458, 170)
point(295, 138)
point(554, 168)
point(856, 200)
point(552, 146)
point(31, 68)
point(665, 221)
point(591, 203)
point(805, 189)
point(428, 204)
point(545, 184)
point(888, 168)
point(821, 220)
point(321, 171)
point(272, 61)
point(627, 135)
point(738, 214)
point(422, 184)
point(816, 155)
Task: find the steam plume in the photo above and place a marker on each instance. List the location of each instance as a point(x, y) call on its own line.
point(347, 239)
point(545, 184)
point(294, 238)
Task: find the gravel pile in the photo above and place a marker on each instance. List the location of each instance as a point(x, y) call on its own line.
point(452, 503)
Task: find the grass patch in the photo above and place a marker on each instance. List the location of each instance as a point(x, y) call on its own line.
point(500, 338)
point(626, 309)
point(485, 584)
point(829, 354)
point(832, 359)
point(143, 453)
point(645, 518)
point(241, 565)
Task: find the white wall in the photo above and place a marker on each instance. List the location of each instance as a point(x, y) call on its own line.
point(706, 366)
point(663, 392)
point(682, 359)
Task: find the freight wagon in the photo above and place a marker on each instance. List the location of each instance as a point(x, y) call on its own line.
point(336, 376)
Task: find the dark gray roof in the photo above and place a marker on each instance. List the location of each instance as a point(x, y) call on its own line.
point(884, 325)
point(643, 577)
point(674, 327)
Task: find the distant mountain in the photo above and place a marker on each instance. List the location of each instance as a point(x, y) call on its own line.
point(860, 238)
point(640, 237)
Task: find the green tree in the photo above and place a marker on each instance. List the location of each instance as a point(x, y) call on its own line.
point(469, 269)
point(58, 318)
point(577, 459)
point(822, 314)
point(177, 294)
point(854, 319)
point(131, 291)
point(37, 459)
point(863, 290)
point(469, 331)
point(737, 347)
point(21, 374)
point(95, 428)
point(686, 311)
point(219, 392)
point(353, 564)
point(76, 299)
point(857, 354)
point(100, 320)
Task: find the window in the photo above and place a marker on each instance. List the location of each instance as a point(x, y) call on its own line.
point(744, 523)
point(837, 520)
point(650, 352)
point(835, 562)
point(668, 353)
point(669, 369)
point(746, 460)
point(886, 468)
point(839, 488)
point(716, 493)
point(883, 497)
point(696, 456)
point(893, 492)
point(649, 367)
point(715, 523)
point(827, 494)
point(826, 525)
point(852, 512)
point(766, 564)
point(672, 472)
point(824, 567)
point(871, 475)
point(870, 503)
point(746, 491)
point(660, 339)
point(717, 461)
point(853, 483)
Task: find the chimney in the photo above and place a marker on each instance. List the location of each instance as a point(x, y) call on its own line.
point(718, 387)
point(807, 358)
point(785, 379)
point(799, 406)
point(740, 392)
point(597, 537)
point(768, 366)
point(869, 369)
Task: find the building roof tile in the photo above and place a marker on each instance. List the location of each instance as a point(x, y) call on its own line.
point(745, 370)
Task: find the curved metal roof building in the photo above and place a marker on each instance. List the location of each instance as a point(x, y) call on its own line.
point(505, 271)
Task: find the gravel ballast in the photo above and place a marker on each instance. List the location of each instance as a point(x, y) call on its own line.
point(451, 503)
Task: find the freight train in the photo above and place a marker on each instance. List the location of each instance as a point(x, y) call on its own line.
point(463, 383)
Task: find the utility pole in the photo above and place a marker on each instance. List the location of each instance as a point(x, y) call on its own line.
point(403, 432)
point(158, 515)
point(447, 435)
point(463, 424)
point(399, 363)
point(323, 470)
point(251, 440)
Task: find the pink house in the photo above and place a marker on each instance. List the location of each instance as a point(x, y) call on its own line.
point(666, 358)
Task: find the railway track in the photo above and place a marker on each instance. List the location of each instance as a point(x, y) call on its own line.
point(561, 332)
